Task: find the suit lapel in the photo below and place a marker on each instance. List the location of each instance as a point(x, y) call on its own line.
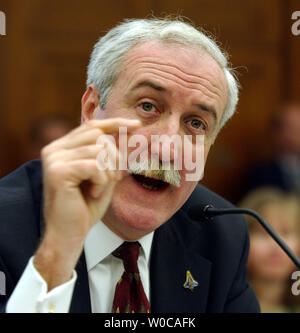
point(176, 248)
point(81, 302)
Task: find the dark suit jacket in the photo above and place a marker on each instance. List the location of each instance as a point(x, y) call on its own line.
point(214, 252)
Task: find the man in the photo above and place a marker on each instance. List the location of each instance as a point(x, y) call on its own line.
point(153, 77)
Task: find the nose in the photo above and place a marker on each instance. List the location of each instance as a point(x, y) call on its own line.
point(166, 139)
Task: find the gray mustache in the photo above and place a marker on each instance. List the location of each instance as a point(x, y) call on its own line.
point(154, 169)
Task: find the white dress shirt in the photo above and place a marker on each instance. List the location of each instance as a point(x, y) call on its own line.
point(104, 271)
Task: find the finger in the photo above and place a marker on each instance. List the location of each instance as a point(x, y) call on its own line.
point(66, 142)
point(89, 132)
point(106, 191)
point(78, 153)
point(107, 174)
point(110, 159)
point(109, 125)
point(112, 125)
point(75, 172)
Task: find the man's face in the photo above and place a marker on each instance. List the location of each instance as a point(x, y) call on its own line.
point(172, 90)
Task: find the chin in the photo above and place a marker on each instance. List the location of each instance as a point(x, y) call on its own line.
point(132, 222)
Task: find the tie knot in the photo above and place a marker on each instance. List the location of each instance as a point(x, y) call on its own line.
point(129, 253)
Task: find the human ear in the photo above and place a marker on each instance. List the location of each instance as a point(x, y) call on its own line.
point(89, 103)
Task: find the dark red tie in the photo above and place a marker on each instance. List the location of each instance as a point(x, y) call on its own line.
point(130, 296)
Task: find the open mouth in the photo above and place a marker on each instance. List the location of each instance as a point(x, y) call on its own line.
point(150, 184)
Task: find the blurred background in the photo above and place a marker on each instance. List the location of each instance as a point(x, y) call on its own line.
point(43, 60)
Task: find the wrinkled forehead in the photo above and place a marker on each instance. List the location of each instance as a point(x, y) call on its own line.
point(188, 56)
point(190, 64)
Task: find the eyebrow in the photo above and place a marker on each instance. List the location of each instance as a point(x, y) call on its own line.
point(149, 84)
point(210, 110)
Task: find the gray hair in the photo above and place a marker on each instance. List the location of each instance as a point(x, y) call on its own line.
point(111, 49)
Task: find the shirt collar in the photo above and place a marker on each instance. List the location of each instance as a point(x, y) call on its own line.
point(100, 242)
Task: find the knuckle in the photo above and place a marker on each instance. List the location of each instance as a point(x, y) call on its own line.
point(98, 131)
point(91, 123)
point(87, 150)
point(56, 172)
point(45, 152)
point(103, 178)
point(48, 150)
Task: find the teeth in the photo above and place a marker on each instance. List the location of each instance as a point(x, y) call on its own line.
point(158, 175)
point(149, 187)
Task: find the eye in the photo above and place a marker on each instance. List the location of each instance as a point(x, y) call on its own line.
point(148, 107)
point(197, 124)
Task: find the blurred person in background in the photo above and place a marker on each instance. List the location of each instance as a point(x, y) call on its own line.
point(43, 131)
point(269, 268)
point(283, 170)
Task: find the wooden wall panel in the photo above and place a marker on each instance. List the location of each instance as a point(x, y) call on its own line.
point(232, 21)
point(292, 61)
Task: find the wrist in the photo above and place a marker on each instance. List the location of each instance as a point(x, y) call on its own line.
point(56, 258)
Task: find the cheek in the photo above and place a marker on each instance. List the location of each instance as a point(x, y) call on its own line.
point(259, 249)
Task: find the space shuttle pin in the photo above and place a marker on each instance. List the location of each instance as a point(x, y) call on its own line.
point(190, 282)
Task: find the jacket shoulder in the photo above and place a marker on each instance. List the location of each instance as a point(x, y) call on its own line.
point(30, 171)
point(20, 213)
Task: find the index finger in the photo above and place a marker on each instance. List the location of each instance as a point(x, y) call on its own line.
point(112, 125)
